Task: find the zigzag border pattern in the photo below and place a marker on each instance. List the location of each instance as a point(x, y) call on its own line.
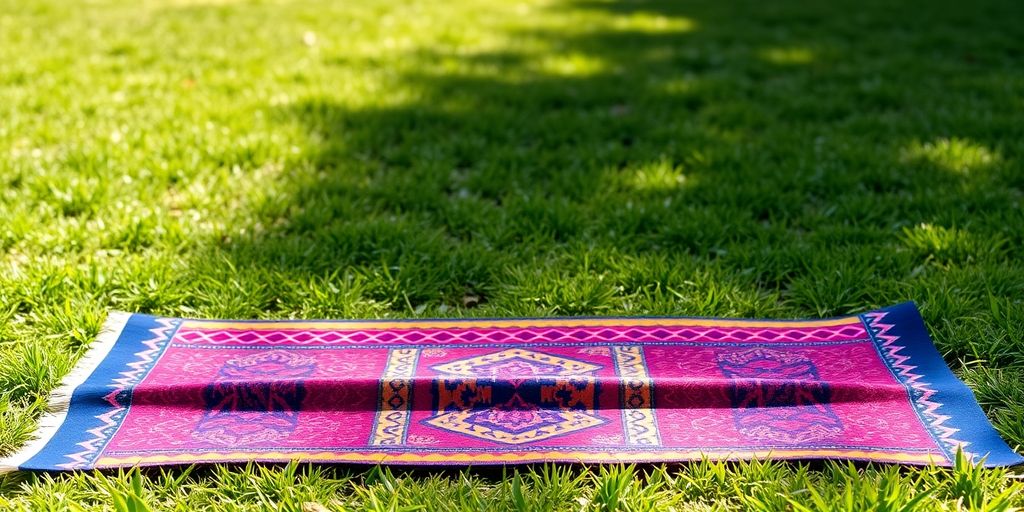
point(255, 336)
point(120, 396)
point(920, 391)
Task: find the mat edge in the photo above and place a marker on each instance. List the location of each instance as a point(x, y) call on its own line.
point(59, 402)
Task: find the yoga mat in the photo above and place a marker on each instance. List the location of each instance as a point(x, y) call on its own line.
point(154, 390)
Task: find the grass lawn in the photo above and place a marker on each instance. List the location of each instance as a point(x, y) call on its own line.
point(323, 159)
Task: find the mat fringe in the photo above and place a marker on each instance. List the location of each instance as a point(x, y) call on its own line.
point(60, 398)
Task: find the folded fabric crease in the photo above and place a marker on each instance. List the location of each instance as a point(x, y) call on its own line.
point(154, 390)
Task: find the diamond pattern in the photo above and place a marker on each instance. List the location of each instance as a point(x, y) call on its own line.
point(519, 335)
point(515, 396)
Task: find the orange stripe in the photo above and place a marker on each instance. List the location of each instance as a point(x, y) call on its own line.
point(187, 458)
point(532, 322)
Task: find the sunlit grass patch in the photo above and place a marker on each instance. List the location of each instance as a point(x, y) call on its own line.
point(653, 23)
point(658, 176)
point(570, 64)
point(951, 245)
point(756, 485)
point(788, 56)
point(952, 154)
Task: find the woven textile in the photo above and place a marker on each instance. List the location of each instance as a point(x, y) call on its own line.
point(172, 391)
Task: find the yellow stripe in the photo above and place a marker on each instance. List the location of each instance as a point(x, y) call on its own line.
point(583, 457)
point(533, 322)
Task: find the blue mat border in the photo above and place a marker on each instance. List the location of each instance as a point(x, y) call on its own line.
point(87, 402)
point(957, 400)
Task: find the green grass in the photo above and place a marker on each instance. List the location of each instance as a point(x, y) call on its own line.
point(468, 158)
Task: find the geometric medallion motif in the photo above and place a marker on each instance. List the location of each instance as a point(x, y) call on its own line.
point(515, 396)
point(778, 397)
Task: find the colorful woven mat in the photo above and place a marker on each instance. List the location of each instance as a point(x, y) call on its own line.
point(157, 390)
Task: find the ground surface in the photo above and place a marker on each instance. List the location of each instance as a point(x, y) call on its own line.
point(469, 158)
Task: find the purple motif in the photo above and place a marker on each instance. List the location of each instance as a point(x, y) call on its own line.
point(255, 399)
point(778, 397)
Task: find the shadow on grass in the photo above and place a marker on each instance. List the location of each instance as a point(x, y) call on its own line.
point(686, 158)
